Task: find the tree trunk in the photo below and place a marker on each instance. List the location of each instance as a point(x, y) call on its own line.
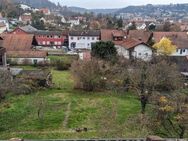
point(182, 132)
point(143, 101)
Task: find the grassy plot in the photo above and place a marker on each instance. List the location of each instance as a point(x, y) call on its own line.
point(55, 113)
point(65, 58)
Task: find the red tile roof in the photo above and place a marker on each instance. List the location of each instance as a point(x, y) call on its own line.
point(180, 39)
point(17, 42)
point(131, 43)
point(143, 35)
point(107, 34)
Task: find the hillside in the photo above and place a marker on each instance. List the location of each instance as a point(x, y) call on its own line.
point(96, 11)
point(146, 9)
point(37, 3)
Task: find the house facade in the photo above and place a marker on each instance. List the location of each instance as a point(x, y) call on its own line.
point(83, 39)
point(26, 18)
point(45, 11)
point(44, 38)
point(51, 38)
point(127, 43)
point(134, 49)
point(5, 23)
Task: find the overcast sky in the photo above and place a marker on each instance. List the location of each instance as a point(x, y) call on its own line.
point(114, 3)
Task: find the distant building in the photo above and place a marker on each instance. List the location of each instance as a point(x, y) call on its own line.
point(5, 22)
point(2, 27)
point(45, 11)
point(73, 22)
point(25, 7)
point(26, 18)
point(83, 39)
point(51, 38)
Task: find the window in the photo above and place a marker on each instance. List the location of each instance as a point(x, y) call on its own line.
point(51, 36)
point(181, 51)
point(88, 38)
point(93, 38)
point(184, 50)
point(73, 45)
point(72, 38)
point(59, 36)
point(84, 38)
point(78, 38)
point(48, 42)
point(88, 44)
point(47, 36)
point(177, 50)
point(139, 54)
point(43, 42)
point(146, 54)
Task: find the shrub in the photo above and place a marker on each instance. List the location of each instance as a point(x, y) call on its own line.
point(88, 75)
point(61, 65)
point(104, 50)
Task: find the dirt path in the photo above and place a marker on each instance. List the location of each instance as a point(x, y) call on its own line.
point(67, 114)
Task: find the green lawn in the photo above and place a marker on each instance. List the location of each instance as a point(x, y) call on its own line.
point(65, 58)
point(65, 109)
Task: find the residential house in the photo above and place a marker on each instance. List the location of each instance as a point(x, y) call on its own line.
point(180, 39)
point(134, 49)
point(5, 22)
point(20, 49)
point(127, 44)
point(44, 38)
point(83, 39)
point(2, 27)
point(26, 18)
point(51, 38)
point(73, 22)
point(25, 7)
point(45, 11)
point(23, 30)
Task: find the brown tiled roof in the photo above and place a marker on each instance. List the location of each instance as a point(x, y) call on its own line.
point(26, 54)
point(85, 33)
point(118, 33)
point(131, 43)
point(140, 34)
point(17, 42)
point(107, 34)
point(180, 39)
